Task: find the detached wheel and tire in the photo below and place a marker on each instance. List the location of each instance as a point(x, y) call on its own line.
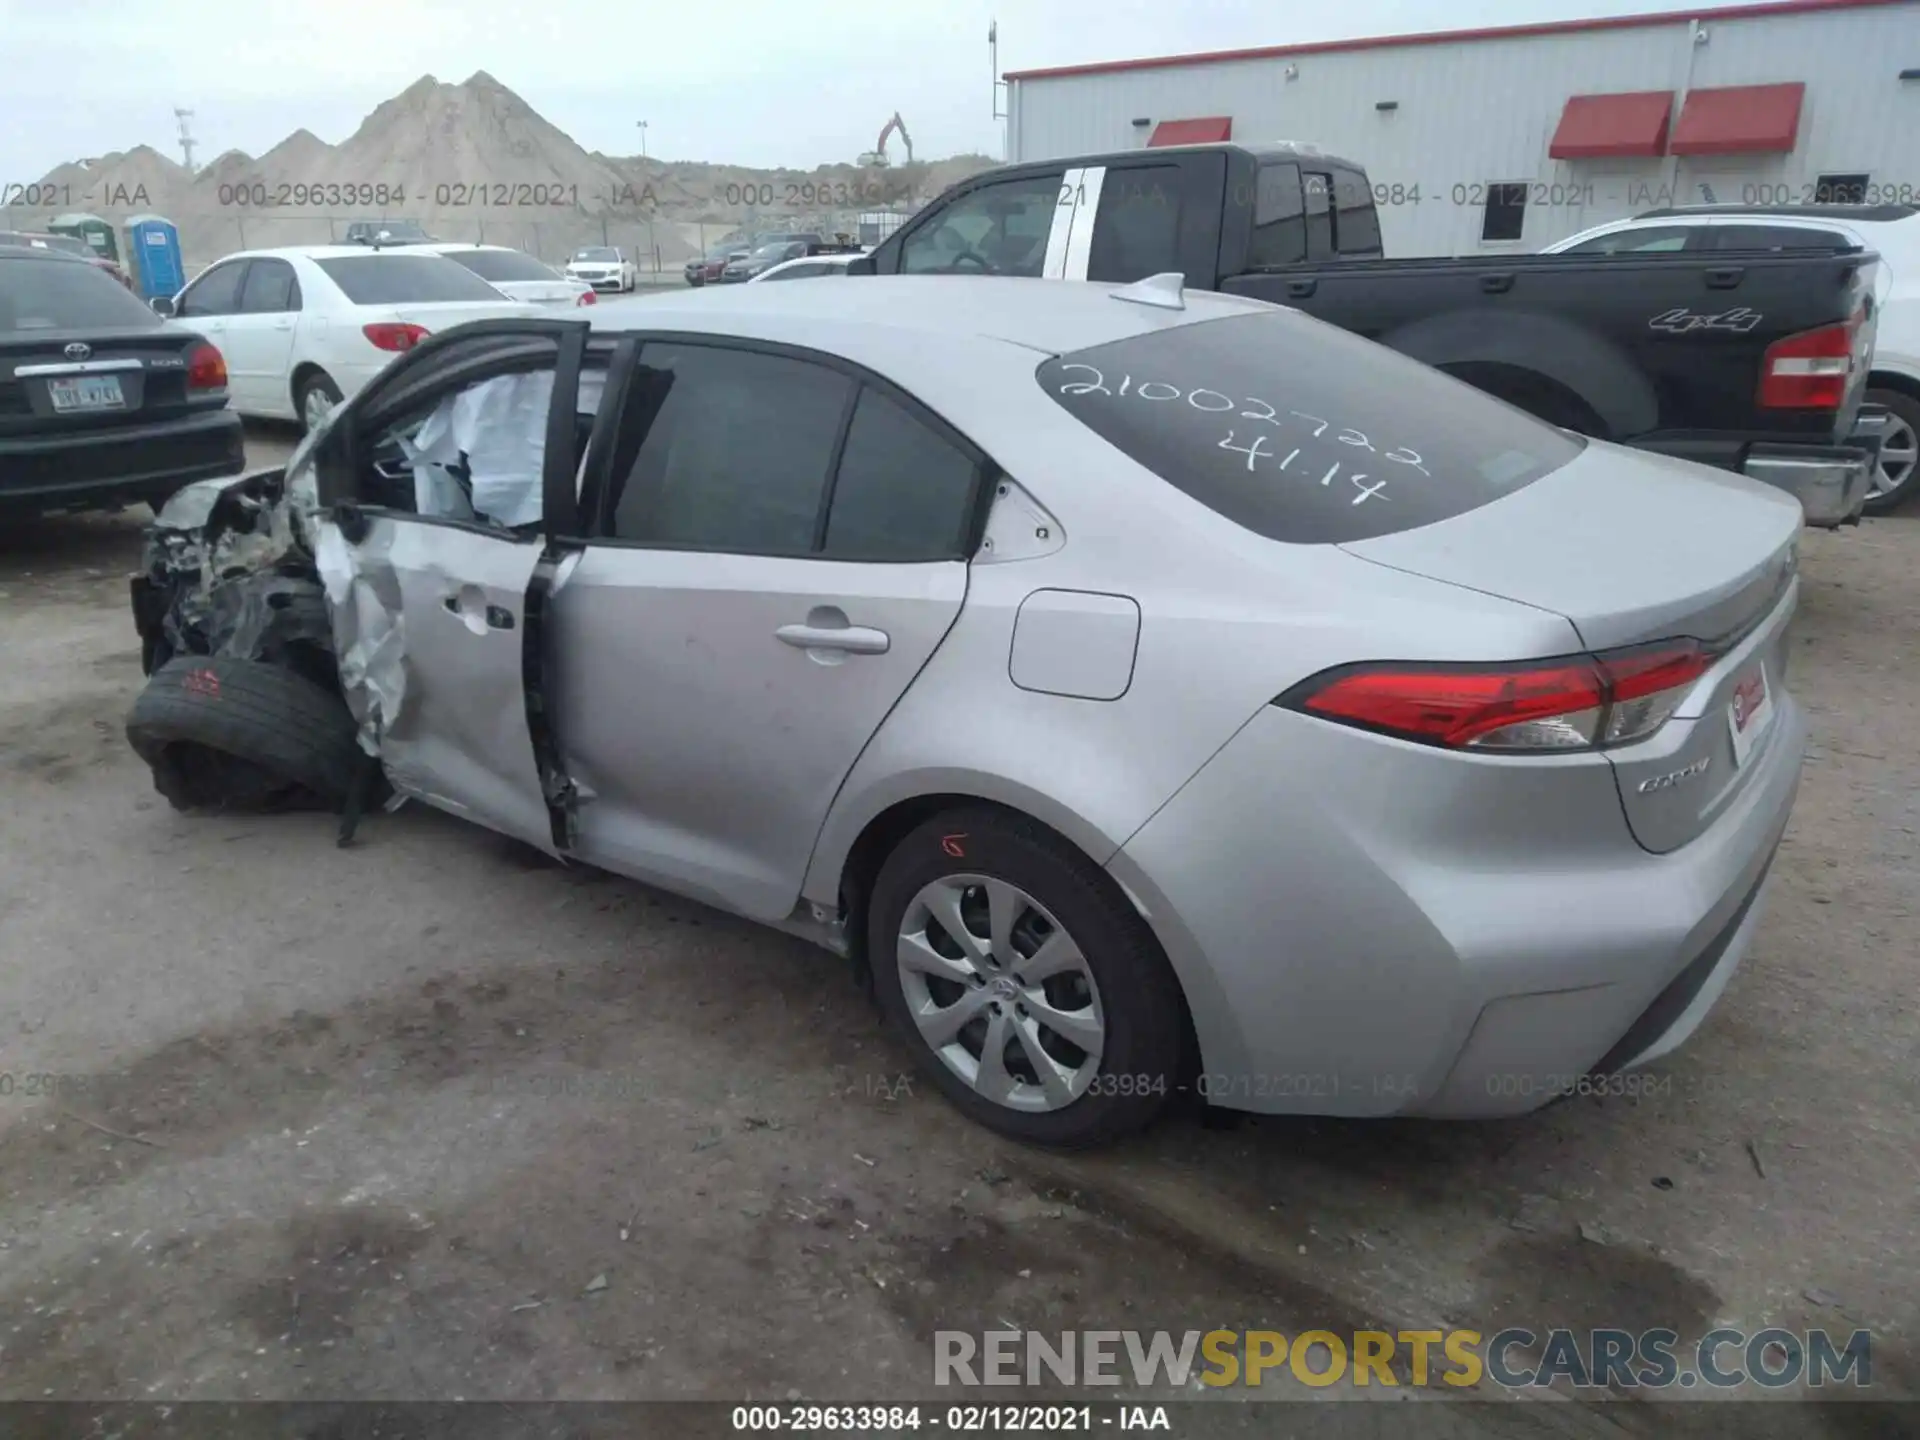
point(315, 396)
point(1898, 479)
point(241, 735)
point(1031, 992)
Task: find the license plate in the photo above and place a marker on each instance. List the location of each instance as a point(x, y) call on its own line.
point(1749, 712)
point(87, 392)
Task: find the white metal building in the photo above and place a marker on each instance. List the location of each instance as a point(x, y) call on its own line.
point(1509, 139)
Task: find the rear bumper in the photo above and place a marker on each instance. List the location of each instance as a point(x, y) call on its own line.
point(1384, 932)
point(1831, 483)
point(118, 465)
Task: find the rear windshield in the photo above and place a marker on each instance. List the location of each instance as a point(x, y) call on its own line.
point(53, 294)
point(404, 279)
point(501, 264)
point(1300, 431)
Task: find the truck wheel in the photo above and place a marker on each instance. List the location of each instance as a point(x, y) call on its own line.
point(1030, 992)
point(1899, 473)
point(227, 734)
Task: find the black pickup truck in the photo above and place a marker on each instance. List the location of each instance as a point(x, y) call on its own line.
point(1754, 362)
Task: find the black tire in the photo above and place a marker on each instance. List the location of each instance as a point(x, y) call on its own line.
point(319, 381)
point(232, 734)
point(1906, 409)
point(1143, 1009)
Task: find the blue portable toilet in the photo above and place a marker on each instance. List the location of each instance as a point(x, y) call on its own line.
point(153, 256)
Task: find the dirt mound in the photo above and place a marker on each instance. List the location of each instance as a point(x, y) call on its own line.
point(474, 161)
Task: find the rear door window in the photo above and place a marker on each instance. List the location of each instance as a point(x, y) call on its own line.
point(1301, 432)
point(1356, 225)
point(1279, 217)
point(1136, 232)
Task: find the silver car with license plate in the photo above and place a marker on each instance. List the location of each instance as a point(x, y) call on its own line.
point(1145, 691)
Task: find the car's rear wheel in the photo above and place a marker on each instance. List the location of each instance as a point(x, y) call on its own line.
point(1031, 993)
point(1899, 475)
point(317, 394)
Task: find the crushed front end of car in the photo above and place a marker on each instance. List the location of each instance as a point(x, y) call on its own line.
point(243, 707)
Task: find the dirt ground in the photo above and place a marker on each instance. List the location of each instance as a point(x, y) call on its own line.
point(426, 1118)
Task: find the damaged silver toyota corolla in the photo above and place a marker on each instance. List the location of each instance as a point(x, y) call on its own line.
point(1356, 744)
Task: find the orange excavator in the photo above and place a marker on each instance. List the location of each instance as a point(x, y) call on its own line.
point(878, 155)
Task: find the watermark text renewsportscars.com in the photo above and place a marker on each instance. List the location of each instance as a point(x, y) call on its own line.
point(1515, 1358)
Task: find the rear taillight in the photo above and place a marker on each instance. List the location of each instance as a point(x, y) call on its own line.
point(587, 297)
point(1811, 370)
point(1578, 702)
point(394, 335)
point(206, 368)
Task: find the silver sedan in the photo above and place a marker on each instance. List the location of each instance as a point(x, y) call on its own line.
point(1147, 692)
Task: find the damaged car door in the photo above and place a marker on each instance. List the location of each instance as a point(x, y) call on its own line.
point(435, 527)
point(774, 547)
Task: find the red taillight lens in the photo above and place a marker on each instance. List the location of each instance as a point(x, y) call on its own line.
point(1811, 370)
point(587, 297)
point(206, 368)
point(1574, 703)
point(393, 335)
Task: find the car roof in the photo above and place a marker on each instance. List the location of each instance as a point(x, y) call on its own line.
point(324, 252)
point(1052, 316)
point(1859, 214)
point(40, 252)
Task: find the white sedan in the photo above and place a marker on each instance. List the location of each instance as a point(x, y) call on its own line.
point(806, 267)
point(604, 267)
point(305, 326)
point(516, 274)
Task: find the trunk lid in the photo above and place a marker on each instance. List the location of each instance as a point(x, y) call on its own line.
point(125, 377)
point(1631, 547)
point(437, 315)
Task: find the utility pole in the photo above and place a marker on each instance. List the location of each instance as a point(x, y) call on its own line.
point(643, 138)
point(186, 136)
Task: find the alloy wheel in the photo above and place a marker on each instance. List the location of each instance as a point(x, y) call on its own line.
point(1001, 992)
point(1899, 451)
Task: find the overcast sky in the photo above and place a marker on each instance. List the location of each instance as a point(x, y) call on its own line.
point(754, 82)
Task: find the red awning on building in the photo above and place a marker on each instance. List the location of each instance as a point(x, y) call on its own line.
point(1207, 130)
point(1739, 120)
point(1632, 123)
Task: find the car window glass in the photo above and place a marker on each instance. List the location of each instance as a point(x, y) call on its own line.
point(269, 288)
point(215, 293)
point(501, 264)
point(902, 491)
point(1279, 217)
point(56, 294)
point(995, 230)
point(796, 272)
point(396, 278)
point(737, 455)
point(1356, 225)
point(1652, 240)
point(1316, 187)
point(1301, 432)
point(1777, 237)
point(1136, 231)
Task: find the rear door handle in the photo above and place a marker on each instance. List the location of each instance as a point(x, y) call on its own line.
point(854, 639)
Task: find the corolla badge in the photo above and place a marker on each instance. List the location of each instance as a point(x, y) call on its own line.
point(1675, 777)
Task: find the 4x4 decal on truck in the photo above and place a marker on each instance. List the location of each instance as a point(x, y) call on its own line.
point(1738, 321)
